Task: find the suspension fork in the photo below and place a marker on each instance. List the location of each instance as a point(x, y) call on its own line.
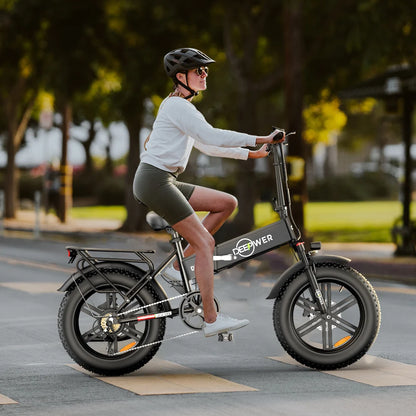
point(311, 274)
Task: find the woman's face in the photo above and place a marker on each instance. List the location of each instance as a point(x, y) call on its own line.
point(197, 78)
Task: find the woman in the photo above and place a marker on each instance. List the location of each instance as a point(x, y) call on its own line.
point(179, 127)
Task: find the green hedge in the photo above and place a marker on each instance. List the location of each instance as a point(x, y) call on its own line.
point(366, 187)
point(104, 188)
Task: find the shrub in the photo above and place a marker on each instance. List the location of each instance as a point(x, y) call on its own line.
point(365, 187)
point(28, 185)
point(111, 191)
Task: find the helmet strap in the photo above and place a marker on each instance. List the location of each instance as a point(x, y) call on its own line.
point(192, 92)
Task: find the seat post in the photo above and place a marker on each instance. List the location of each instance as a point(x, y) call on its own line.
point(176, 241)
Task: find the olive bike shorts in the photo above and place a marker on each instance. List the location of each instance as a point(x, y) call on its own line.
point(162, 193)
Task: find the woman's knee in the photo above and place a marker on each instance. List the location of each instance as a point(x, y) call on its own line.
point(229, 203)
point(233, 202)
point(206, 243)
point(195, 234)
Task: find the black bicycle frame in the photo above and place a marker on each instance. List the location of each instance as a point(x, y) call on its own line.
point(270, 237)
point(262, 240)
point(227, 254)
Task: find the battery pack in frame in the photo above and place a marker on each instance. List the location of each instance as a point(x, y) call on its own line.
point(244, 247)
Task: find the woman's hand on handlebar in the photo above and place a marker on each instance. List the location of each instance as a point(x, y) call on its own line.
point(259, 153)
point(275, 137)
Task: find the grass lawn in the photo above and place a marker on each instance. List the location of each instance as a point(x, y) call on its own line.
point(369, 221)
point(326, 221)
point(113, 212)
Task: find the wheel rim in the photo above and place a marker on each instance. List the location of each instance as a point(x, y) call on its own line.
point(337, 329)
point(97, 328)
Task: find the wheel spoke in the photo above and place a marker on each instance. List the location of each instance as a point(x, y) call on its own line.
point(326, 293)
point(133, 333)
point(89, 310)
point(92, 335)
point(343, 305)
point(309, 326)
point(344, 325)
point(327, 335)
point(307, 305)
point(112, 346)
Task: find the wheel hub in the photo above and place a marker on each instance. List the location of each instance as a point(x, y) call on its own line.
point(110, 324)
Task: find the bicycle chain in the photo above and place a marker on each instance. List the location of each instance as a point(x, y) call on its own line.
point(156, 342)
point(151, 304)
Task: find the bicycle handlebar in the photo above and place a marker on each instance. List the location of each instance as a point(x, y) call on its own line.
point(279, 137)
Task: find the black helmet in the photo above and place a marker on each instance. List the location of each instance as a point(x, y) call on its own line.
point(181, 60)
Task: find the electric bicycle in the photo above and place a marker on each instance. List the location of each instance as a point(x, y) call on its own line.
point(112, 319)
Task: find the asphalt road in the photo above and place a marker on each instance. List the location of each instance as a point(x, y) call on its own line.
point(191, 375)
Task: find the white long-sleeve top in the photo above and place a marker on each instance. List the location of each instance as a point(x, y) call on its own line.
point(179, 127)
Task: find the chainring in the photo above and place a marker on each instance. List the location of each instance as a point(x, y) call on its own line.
point(191, 310)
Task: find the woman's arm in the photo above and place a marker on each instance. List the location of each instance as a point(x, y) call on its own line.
point(228, 152)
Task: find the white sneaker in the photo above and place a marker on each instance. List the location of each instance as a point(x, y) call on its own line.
point(223, 323)
point(173, 276)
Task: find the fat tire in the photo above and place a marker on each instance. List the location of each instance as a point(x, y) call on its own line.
point(361, 341)
point(99, 363)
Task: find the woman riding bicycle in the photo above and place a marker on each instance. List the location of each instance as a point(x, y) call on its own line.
point(179, 127)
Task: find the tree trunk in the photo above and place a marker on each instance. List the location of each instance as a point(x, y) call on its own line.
point(89, 167)
point(16, 131)
point(65, 195)
point(292, 27)
point(136, 213)
point(408, 243)
point(245, 185)
point(11, 189)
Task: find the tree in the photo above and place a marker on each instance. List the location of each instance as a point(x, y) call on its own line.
point(142, 32)
point(94, 106)
point(76, 32)
point(254, 67)
point(20, 80)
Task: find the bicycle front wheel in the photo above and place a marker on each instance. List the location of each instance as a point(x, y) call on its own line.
point(91, 334)
point(332, 340)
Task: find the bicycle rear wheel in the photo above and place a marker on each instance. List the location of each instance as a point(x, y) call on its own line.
point(338, 338)
point(93, 337)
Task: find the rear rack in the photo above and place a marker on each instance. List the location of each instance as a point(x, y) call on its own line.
point(93, 256)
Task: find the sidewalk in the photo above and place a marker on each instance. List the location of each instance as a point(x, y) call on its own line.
point(374, 260)
point(26, 221)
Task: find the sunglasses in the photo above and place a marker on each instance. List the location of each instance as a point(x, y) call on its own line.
point(201, 70)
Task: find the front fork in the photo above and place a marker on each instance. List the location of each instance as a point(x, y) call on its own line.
point(311, 274)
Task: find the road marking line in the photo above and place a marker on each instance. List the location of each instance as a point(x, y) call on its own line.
point(35, 264)
point(34, 288)
point(371, 370)
point(160, 377)
point(6, 400)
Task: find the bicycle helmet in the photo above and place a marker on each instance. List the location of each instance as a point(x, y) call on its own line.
point(182, 60)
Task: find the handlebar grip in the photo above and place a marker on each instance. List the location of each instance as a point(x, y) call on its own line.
point(278, 136)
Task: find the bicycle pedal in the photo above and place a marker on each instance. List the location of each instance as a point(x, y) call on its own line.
point(225, 336)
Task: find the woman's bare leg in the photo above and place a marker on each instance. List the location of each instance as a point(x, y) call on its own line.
point(202, 244)
point(219, 205)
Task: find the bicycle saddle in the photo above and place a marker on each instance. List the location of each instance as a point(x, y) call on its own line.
point(156, 222)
